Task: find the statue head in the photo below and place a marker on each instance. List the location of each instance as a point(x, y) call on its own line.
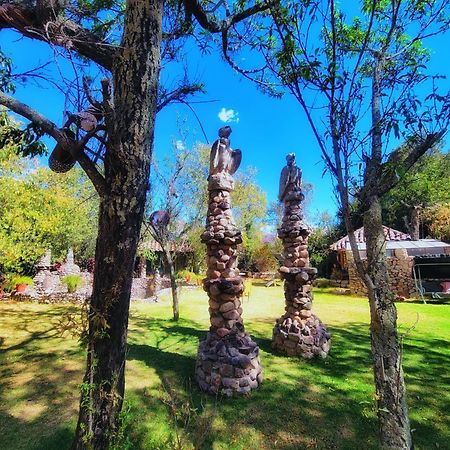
point(290, 159)
point(225, 132)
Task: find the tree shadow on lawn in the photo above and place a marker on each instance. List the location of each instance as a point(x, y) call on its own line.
point(301, 404)
point(320, 403)
point(39, 373)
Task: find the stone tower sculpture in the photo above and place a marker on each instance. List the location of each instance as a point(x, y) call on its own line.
point(228, 359)
point(298, 332)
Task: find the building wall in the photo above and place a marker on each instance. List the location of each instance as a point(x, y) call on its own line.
point(400, 274)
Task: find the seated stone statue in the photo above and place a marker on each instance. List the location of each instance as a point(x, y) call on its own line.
point(223, 162)
point(290, 180)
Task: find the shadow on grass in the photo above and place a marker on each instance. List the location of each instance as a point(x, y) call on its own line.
point(39, 373)
point(320, 404)
point(320, 409)
point(325, 404)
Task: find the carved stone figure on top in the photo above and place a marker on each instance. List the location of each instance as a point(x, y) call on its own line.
point(290, 180)
point(298, 332)
point(223, 162)
point(228, 359)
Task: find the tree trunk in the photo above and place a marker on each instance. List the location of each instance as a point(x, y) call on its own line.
point(141, 267)
point(173, 285)
point(130, 126)
point(386, 349)
point(413, 225)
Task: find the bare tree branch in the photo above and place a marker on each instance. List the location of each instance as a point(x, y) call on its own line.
point(37, 118)
point(96, 104)
point(418, 147)
point(210, 23)
point(178, 95)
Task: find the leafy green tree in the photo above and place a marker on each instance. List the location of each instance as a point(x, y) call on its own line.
point(422, 188)
point(438, 218)
point(263, 258)
point(41, 210)
point(324, 233)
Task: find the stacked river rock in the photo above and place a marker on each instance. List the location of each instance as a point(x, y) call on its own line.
point(228, 359)
point(298, 332)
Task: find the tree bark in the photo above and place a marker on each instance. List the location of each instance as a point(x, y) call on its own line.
point(130, 124)
point(413, 224)
point(390, 387)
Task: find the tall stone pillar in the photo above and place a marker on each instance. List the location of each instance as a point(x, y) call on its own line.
point(298, 332)
point(228, 359)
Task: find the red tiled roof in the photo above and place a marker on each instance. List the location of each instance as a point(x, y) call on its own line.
point(389, 233)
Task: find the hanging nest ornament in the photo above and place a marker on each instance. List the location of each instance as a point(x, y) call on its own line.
point(60, 160)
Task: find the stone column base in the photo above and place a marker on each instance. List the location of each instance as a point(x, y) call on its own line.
point(307, 338)
point(228, 365)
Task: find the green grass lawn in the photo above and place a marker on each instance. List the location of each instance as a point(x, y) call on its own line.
point(324, 404)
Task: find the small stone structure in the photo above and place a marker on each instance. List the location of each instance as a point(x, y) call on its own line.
point(298, 332)
point(228, 359)
point(400, 267)
point(48, 281)
point(49, 286)
point(69, 267)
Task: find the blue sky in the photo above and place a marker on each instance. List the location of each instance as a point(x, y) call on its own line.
point(264, 128)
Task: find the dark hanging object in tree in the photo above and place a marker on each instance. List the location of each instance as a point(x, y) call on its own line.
point(60, 160)
point(86, 124)
point(159, 220)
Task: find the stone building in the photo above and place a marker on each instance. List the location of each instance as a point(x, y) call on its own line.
point(401, 254)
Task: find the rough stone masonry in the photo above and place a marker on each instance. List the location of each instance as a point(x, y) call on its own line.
point(298, 332)
point(228, 359)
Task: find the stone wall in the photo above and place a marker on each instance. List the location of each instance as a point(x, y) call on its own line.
point(58, 298)
point(49, 282)
point(400, 273)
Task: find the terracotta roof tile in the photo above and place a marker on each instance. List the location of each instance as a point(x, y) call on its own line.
point(389, 233)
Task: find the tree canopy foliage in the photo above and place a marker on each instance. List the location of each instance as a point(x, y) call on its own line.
point(426, 187)
point(40, 210)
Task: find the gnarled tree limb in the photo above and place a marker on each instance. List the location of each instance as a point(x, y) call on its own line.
point(56, 133)
point(59, 31)
point(418, 147)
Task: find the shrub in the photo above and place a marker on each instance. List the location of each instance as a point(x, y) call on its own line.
point(198, 279)
point(187, 276)
point(73, 282)
point(264, 259)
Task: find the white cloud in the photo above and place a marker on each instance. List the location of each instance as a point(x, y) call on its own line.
point(180, 145)
point(228, 115)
